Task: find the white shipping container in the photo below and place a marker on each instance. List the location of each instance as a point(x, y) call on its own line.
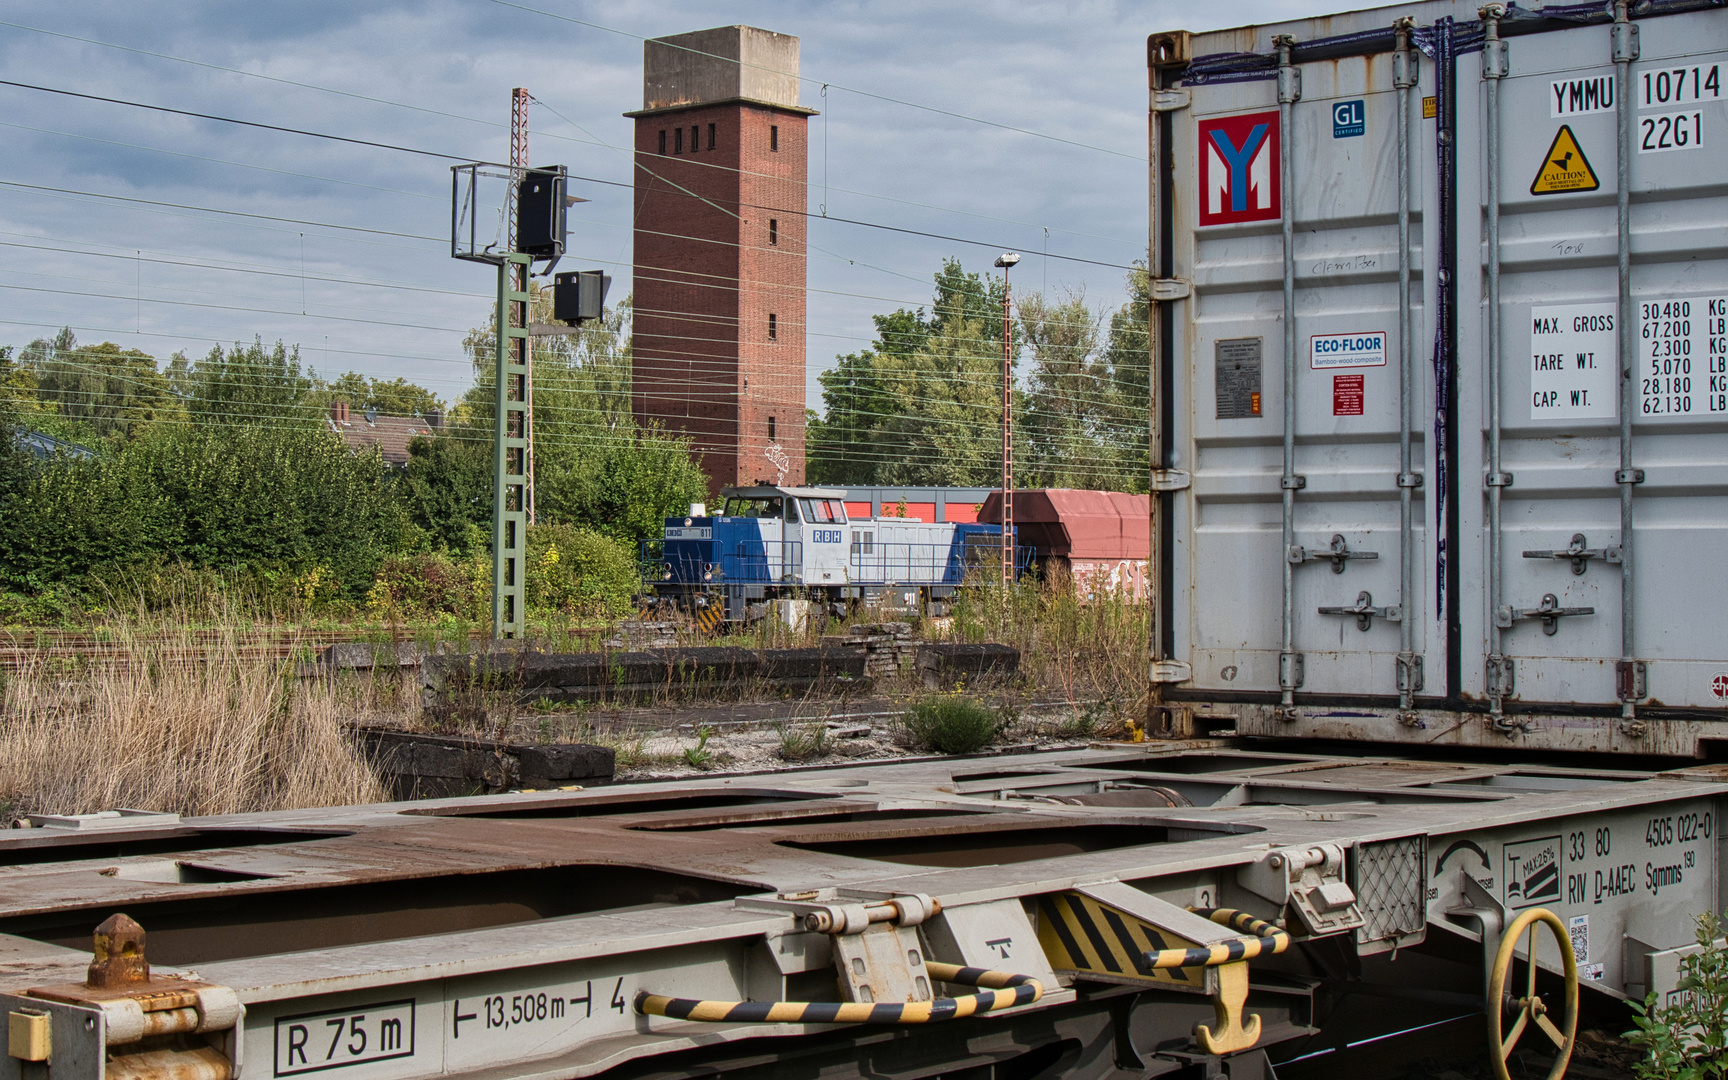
point(1441, 375)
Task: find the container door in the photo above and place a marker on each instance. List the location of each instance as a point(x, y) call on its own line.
point(1561, 535)
point(1230, 391)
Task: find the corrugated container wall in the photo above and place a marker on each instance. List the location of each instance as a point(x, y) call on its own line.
point(1442, 343)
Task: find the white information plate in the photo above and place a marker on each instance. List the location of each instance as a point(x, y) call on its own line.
point(1574, 362)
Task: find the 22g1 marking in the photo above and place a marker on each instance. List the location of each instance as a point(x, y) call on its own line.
point(1670, 131)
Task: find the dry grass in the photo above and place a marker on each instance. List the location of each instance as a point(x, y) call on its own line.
point(1076, 645)
point(219, 733)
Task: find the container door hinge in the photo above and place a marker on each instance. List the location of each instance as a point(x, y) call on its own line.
point(1579, 554)
point(1365, 611)
point(1171, 288)
point(1171, 671)
point(1337, 554)
point(1290, 671)
point(1499, 676)
point(1409, 673)
point(1171, 100)
point(1625, 42)
point(1171, 479)
point(1496, 63)
point(1630, 682)
point(1550, 612)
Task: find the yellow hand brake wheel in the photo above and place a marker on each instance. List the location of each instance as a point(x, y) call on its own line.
point(1530, 1011)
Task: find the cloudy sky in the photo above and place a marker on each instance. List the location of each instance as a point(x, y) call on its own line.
point(1015, 126)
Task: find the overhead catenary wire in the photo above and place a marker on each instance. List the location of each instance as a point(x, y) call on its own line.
point(980, 423)
point(590, 140)
point(831, 292)
point(717, 364)
point(724, 282)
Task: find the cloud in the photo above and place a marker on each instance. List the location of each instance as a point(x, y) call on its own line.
point(438, 75)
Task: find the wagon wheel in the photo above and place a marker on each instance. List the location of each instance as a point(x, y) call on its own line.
point(1530, 1011)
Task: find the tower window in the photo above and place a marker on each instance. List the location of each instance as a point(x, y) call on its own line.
point(774, 137)
point(695, 142)
point(678, 141)
point(710, 136)
point(773, 327)
point(773, 231)
point(662, 142)
point(770, 429)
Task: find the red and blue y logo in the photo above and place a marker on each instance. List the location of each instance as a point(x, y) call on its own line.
point(1239, 169)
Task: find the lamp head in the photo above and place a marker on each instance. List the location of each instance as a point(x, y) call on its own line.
point(1007, 259)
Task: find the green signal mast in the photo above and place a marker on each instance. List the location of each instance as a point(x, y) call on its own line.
point(539, 200)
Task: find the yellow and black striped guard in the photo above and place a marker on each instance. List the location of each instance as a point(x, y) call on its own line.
point(708, 619)
point(998, 990)
point(1083, 935)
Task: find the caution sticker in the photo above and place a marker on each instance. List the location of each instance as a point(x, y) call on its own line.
point(1564, 168)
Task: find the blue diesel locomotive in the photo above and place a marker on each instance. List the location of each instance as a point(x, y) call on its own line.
point(783, 542)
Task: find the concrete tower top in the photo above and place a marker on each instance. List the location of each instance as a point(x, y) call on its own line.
point(727, 63)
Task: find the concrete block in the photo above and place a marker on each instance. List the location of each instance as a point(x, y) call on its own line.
point(944, 665)
point(558, 764)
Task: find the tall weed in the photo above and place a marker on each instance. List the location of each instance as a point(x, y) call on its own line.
point(214, 733)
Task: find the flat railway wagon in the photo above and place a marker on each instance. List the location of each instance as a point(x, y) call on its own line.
point(1179, 910)
point(1440, 406)
point(772, 542)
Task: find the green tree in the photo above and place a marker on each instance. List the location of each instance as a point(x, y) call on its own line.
point(398, 397)
point(944, 426)
point(252, 384)
point(103, 390)
point(940, 368)
point(14, 461)
point(1081, 426)
point(446, 490)
point(593, 465)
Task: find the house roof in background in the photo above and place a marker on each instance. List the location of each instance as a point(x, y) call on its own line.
point(391, 434)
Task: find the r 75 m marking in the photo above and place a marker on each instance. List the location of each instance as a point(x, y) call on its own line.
point(314, 1042)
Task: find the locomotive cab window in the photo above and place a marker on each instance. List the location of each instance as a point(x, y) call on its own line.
point(824, 511)
point(754, 508)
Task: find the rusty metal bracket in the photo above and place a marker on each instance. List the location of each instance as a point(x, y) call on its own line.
point(1171, 479)
point(121, 1003)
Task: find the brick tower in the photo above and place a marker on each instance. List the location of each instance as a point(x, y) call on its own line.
point(719, 239)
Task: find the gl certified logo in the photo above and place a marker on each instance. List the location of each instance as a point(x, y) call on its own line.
point(1349, 118)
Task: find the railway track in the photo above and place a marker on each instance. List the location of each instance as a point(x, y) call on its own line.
point(24, 650)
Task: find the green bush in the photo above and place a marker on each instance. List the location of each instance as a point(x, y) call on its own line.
point(574, 571)
point(951, 724)
point(271, 503)
point(1688, 1040)
point(418, 586)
